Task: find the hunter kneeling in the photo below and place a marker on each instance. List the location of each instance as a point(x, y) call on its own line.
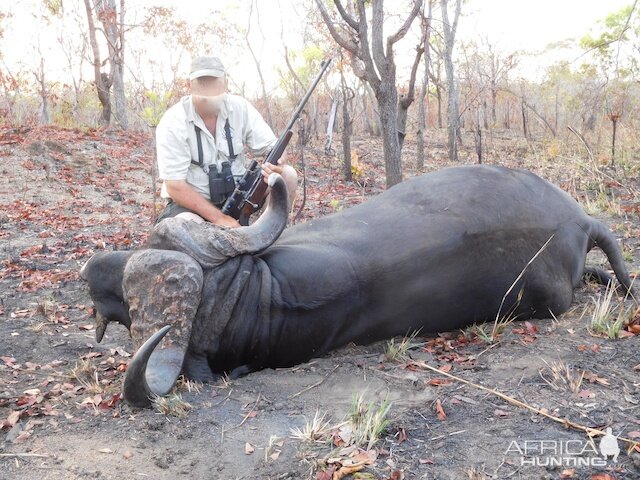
point(201, 143)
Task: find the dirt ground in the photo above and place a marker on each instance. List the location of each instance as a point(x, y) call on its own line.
point(66, 194)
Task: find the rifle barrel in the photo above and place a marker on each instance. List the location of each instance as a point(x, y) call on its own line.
point(323, 67)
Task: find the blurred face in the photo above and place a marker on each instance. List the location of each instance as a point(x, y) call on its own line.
point(208, 94)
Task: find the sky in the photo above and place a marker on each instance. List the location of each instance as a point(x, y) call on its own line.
point(508, 25)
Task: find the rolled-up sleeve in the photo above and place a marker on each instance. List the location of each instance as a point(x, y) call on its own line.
point(258, 136)
point(174, 155)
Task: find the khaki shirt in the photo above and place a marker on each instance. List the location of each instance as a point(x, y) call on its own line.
point(176, 143)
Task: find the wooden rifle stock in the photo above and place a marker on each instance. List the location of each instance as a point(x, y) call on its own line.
point(250, 194)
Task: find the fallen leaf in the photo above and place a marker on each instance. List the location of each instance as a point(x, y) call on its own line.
point(127, 454)
point(22, 437)
point(586, 394)
point(634, 434)
point(12, 419)
point(347, 470)
point(401, 435)
point(368, 458)
point(326, 474)
point(602, 476)
point(396, 475)
point(438, 381)
point(86, 327)
point(105, 450)
point(248, 448)
point(275, 455)
point(440, 411)
point(593, 378)
point(426, 461)
point(568, 473)
point(500, 413)
point(9, 361)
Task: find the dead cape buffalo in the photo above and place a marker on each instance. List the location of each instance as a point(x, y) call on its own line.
point(435, 253)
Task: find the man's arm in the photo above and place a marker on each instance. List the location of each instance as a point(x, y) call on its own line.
point(186, 196)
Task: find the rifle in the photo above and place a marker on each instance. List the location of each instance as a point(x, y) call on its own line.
point(251, 191)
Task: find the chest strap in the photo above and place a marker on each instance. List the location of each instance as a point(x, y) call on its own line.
point(227, 134)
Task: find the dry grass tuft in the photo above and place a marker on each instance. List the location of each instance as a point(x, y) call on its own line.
point(316, 430)
point(563, 377)
point(171, 404)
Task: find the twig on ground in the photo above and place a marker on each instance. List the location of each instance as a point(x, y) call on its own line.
point(566, 422)
point(317, 384)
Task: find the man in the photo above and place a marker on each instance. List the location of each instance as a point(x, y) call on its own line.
point(202, 132)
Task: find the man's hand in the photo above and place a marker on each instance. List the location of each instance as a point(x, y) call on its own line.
point(226, 221)
point(186, 196)
point(268, 169)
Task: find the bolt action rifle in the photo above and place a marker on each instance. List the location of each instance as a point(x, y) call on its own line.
point(251, 191)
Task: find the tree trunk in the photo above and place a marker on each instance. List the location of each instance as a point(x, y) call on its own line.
point(102, 80)
point(388, 100)
point(439, 97)
point(114, 30)
point(507, 115)
point(113, 27)
point(331, 124)
point(424, 88)
point(346, 136)
point(485, 119)
point(45, 117)
point(347, 98)
point(452, 104)
point(614, 123)
point(373, 61)
point(524, 120)
point(494, 95)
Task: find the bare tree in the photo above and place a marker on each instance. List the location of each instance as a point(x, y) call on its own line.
point(374, 62)
point(43, 90)
point(112, 22)
point(449, 30)
point(347, 100)
point(73, 47)
point(422, 112)
point(405, 100)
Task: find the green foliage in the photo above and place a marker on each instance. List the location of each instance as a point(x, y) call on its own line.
point(157, 104)
point(619, 29)
point(54, 7)
point(368, 421)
